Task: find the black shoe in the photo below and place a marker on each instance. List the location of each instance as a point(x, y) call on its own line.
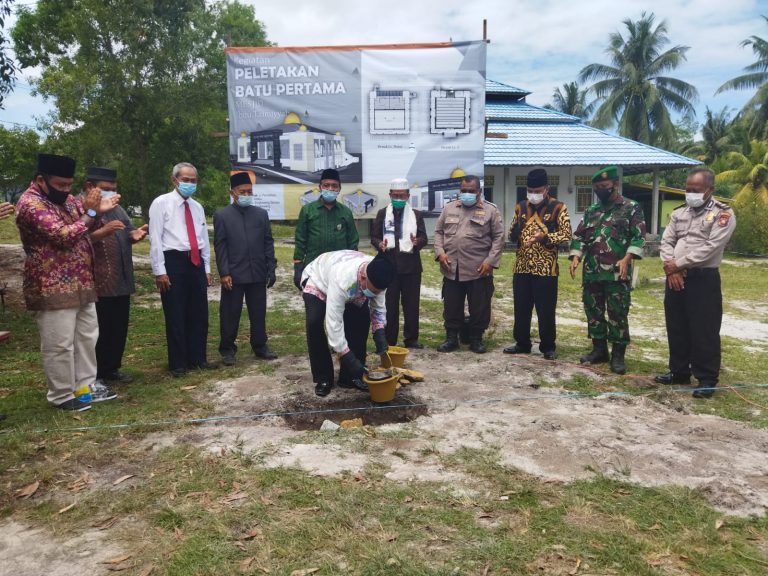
point(672, 378)
point(704, 390)
point(516, 349)
point(415, 345)
point(323, 388)
point(451, 343)
point(119, 377)
point(178, 372)
point(355, 383)
point(550, 355)
point(617, 358)
point(477, 347)
point(228, 360)
point(206, 366)
point(598, 355)
point(265, 353)
point(74, 405)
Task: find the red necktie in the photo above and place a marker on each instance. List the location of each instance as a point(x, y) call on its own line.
point(194, 251)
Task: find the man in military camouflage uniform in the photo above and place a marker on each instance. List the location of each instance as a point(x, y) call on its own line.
point(539, 225)
point(692, 249)
point(609, 237)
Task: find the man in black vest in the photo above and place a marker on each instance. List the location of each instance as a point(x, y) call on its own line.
point(539, 225)
point(245, 257)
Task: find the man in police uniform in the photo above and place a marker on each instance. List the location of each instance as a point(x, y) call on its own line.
point(469, 237)
point(692, 249)
point(610, 236)
point(540, 223)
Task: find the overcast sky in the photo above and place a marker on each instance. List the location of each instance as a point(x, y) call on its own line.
point(535, 44)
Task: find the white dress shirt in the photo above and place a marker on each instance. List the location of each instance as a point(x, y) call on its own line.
point(168, 230)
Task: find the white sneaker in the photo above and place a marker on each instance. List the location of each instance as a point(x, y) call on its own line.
point(101, 392)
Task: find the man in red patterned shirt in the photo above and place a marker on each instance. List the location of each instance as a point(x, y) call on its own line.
point(58, 279)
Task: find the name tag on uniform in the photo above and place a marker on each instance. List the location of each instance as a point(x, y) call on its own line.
point(338, 226)
point(451, 219)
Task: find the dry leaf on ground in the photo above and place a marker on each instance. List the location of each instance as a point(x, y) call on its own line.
point(106, 523)
point(67, 508)
point(147, 570)
point(117, 559)
point(28, 490)
point(304, 571)
point(122, 479)
point(252, 533)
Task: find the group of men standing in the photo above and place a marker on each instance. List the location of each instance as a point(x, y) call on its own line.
point(79, 276)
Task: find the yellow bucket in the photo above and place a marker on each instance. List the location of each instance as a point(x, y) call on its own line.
point(382, 390)
point(395, 356)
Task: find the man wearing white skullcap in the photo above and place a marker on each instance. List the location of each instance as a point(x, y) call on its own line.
point(399, 234)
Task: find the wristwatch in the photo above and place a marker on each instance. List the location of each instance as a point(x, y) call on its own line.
point(91, 213)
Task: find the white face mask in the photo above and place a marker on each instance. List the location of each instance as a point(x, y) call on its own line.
point(535, 198)
point(694, 199)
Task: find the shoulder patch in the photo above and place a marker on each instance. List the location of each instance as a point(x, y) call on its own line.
point(723, 219)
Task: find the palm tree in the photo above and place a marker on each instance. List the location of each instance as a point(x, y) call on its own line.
point(750, 169)
point(571, 100)
point(756, 77)
point(717, 137)
point(631, 91)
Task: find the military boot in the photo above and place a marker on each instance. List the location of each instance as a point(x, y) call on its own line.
point(598, 355)
point(451, 341)
point(617, 358)
point(476, 345)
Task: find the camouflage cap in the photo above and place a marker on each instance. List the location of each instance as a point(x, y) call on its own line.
point(606, 173)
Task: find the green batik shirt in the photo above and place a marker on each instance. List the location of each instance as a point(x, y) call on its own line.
point(321, 230)
point(605, 235)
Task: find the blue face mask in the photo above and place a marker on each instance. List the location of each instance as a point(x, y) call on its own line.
point(368, 293)
point(244, 201)
point(186, 189)
point(468, 198)
point(329, 195)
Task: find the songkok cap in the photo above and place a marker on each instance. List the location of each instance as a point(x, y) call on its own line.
point(238, 179)
point(97, 174)
point(331, 174)
point(399, 184)
point(607, 173)
point(537, 178)
point(380, 272)
point(53, 165)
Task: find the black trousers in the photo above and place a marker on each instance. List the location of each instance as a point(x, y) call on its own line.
point(478, 294)
point(693, 316)
point(113, 313)
point(185, 307)
point(230, 308)
point(535, 291)
point(357, 324)
point(405, 288)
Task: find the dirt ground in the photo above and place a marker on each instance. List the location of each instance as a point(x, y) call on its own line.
point(478, 401)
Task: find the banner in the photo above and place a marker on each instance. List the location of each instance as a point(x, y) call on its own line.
point(374, 113)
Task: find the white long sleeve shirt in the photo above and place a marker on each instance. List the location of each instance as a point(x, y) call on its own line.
point(168, 230)
point(334, 278)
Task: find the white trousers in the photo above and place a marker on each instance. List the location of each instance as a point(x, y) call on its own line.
point(68, 346)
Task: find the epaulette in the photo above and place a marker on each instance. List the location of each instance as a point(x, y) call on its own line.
point(722, 205)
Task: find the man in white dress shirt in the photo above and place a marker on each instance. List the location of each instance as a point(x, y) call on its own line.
point(181, 262)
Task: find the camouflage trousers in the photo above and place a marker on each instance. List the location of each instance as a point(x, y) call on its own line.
point(613, 297)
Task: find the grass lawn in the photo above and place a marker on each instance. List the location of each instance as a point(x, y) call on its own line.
point(190, 512)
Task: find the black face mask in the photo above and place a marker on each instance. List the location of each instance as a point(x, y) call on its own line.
point(55, 195)
point(604, 193)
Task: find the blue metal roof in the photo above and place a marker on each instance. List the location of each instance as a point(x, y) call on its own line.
point(572, 144)
point(493, 87)
point(521, 111)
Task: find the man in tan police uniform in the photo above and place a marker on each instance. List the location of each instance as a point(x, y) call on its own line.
point(469, 237)
point(692, 249)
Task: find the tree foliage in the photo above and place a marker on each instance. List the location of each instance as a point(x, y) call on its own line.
point(748, 170)
point(571, 99)
point(7, 67)
point(756, 78)
point(632, 91)
point(18, 150)
point(137, 84)
point(717, 137)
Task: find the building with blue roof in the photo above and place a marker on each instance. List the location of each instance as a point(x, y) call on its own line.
point(520, 137)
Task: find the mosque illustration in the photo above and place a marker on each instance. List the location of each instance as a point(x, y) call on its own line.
point(294, 146)
point(431, 198)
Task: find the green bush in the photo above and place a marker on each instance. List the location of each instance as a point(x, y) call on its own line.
point(751, 234)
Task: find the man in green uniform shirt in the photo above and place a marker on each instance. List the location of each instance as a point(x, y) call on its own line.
point(324, 225)
point(609, 237)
